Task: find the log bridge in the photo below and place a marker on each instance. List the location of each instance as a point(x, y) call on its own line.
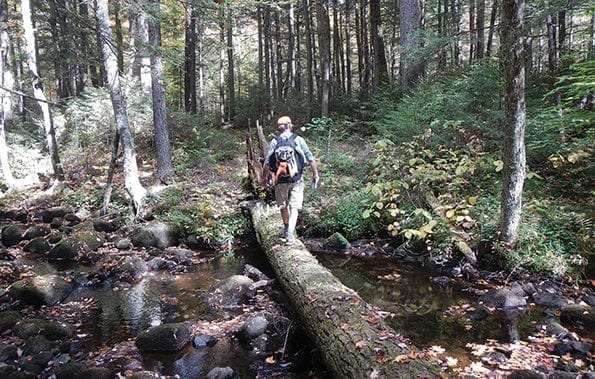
point(354, 341)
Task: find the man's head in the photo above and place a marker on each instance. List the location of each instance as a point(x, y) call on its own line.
point(284, 124)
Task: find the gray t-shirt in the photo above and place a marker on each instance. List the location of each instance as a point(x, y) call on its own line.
point(301, 148)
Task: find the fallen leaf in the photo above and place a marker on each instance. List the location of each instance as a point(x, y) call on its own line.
point(270, 360)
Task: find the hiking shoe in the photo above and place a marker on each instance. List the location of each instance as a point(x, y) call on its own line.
point(283, 233)
point(290, 239)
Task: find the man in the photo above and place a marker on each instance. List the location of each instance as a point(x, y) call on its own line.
point(286, 158)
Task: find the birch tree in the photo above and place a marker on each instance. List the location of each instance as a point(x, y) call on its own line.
point(135, 189)
point(6, 81)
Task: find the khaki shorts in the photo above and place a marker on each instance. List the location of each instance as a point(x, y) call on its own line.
point(290, 195)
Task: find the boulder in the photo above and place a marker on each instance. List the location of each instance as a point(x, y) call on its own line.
point(97, 373)
point(37, 245)
point(12, 234)
point(552, 328)
point(547, 299)
point(13, 215)
point(72, 219)
point(123, 244)
point(54, 237)
point(179, 255)
point(254, 327)
point(67, 248)
point(221, 373)
point(70, 370)
point(579, 314)
point(575, 347)
point(52, 330)
point(526, 374)
point(89, 240)
point(41, 290)
point(502, 298)
point(589, 298)
point(107, 225)
point(131, 269)
point(36, 231)
point(254, 273)
point(158, 264)
point(197, 243)
point(336, 242)
point(36, 345)
point(8, 353)
point(201, 341)
point(165, 337)
point(563, 375)
point(232, 291)
point(57, 223)
point(48, 215)
point(154, 234)
point(8, 319)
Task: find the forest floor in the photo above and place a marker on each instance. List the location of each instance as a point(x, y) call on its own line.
point(109, 278)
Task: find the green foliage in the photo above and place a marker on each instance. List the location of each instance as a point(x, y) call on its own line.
point(468, 99)
point(577, 85)
point(346, 217)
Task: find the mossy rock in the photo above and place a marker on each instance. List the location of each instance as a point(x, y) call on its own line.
point(154, 234)
point(336, 242)
point(162, 338)
point(52, 330)
point(66, 249)
point(36, 231)
point(8, 319)
point(41, 290)
point(12, 234)
point(89, 240)
point(579, 314)
point(37, 245)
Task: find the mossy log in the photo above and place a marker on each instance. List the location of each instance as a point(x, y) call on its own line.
point(353, 340)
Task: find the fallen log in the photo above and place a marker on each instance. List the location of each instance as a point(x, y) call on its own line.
point(353, 339)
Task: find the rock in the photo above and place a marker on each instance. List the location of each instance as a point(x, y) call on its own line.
point(89, 240)
point(131, 269)
point(11, 235)
point(552, 328)
point(8, 319)
point(106, 225)
point(54, 237)
point(36, 345)
point(232, 291)
point(165, 337)
point(495, 358)
point(13, 215)
point(67, 248)
point(579, 314)
point(52, 330)
point(49, 214)
point(158, 264)
point(41, 290)
point(37, 245)
point(179, 255)
point(552, 300)
point(478, 314)
point(517, 288)
point(254, 327)
point(71, 370)
point(123, 244)
point(72, 219)
point(203, 340)
point(8, 353)
point(589, 298)
point(57, 223)
point(589, 375)
point(562, 375)
point(502, 298)
point(254, 273)
point(97, 373)
point(154, 234)
point(336, 242)
point(221, 373)
point(526, 374)
point(575, 347)
point(36, 231)
point(441, 280)
point(196, 243)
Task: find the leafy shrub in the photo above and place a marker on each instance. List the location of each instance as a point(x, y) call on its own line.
point(346, 217)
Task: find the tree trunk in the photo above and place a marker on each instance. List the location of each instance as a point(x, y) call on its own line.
point(119, 38)
point(291, 54)
point(267, 58)
point(365, 46)
point(231, 103)
point(260, 60)
point(561, 33)
point(163, 169)
point(309, 58)
point(201, 74)
point(222, 48)
point(38, 93)
point(107, 191)
point(359, 46)
point(455, 6)
point(325, 55)
point(135, 189)
point(353, 340)
point(278, 59)
point(493, 16)
point(348, 76)
point(140, 69)
point(592, 44)
point(472, 31)
point(552, 47)
point(380, 70)
point(411, 68)
point(513, 149)
point(480, 28)
point(6, 103)
point(190, 58)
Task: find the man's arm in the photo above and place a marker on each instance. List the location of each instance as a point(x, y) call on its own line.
point(311, 160)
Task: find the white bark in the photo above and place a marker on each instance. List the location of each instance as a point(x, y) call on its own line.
point(30, 56)
point(6, 103)
point(135, 189)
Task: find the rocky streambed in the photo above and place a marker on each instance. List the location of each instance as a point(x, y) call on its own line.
point(86, 297)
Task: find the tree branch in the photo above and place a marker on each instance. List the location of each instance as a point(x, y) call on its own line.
point(27, 96)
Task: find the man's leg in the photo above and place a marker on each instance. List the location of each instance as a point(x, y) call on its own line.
point(282, 198)
point(296, 199)
point(285, 216)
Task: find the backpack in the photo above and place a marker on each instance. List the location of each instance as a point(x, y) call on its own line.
point(286, 162)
